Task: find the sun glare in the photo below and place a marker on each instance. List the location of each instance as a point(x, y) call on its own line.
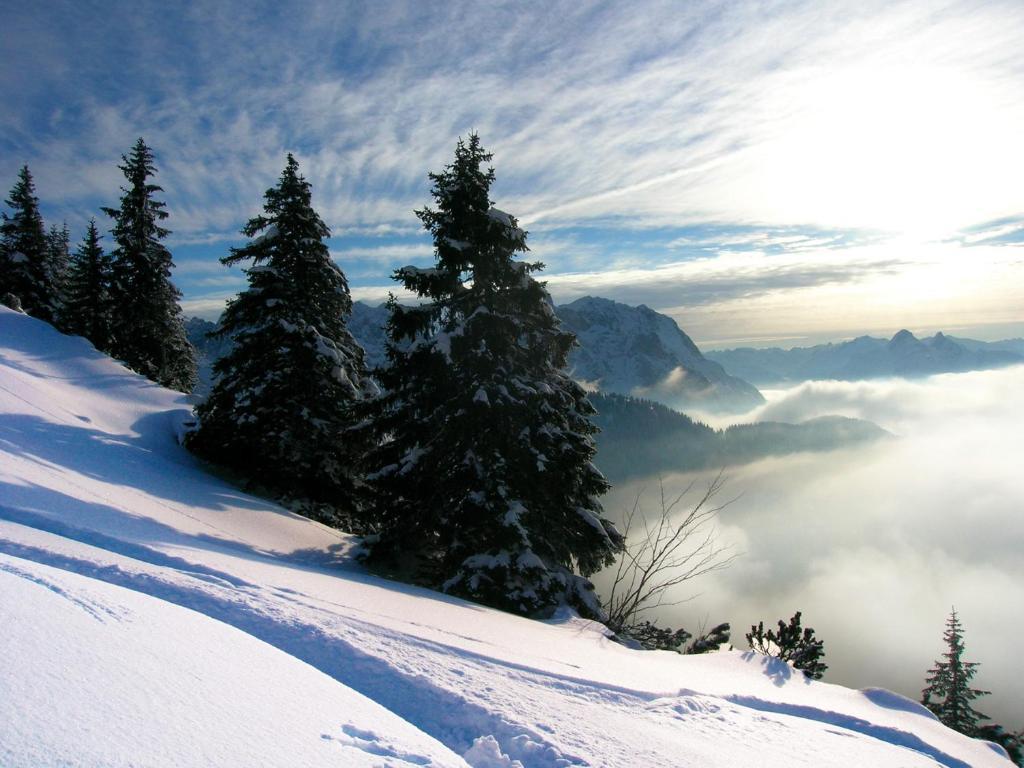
point(915, 150)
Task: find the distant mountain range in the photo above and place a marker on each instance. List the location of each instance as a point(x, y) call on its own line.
point(867, 357)
point(639, 352)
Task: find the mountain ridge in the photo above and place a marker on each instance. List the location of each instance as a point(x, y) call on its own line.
point(868, 357)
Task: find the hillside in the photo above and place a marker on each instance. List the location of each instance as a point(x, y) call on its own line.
point(640, 438)
point(866, 357)
point(154, 615)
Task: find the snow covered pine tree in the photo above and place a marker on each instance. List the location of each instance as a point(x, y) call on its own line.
point(147, 329)
point(87, 310)
point(948, 691)
point(281, 397)
point(58, 259)
point(26, 270)
point(482, 465)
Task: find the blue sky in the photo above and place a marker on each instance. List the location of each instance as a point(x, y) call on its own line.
point(774, 172)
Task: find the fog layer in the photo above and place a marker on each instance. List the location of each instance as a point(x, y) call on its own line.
point(876, 544)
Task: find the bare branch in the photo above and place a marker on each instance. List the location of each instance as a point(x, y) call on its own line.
point(672, 549)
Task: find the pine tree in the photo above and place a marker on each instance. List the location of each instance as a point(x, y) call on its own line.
point(87, 308)
point(948, 691)
point(482, 468)
point(58, 259)
point(793, 643)
point(147, 329)
point(25, 255)
point(282, 396)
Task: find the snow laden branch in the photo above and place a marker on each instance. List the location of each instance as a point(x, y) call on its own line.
point(680, 544)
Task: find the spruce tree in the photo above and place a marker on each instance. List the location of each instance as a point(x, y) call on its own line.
point(482, 466)
point(26, 270)
point(147, 332)
point(58, 259)
point(282, 396)
point(87, 308)
point(948, 691)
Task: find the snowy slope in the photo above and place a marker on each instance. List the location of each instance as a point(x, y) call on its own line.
point(152, 615)
point(107, 663)
point(637, 351)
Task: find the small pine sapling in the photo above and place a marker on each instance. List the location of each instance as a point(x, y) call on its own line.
point(792, 643)
point(711, 641)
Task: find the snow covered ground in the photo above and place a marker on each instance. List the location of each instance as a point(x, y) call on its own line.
point(152, 615)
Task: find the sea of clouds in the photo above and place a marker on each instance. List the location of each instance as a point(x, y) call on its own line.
point(876, 544)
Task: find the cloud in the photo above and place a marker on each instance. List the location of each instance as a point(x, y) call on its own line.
point(669, 387)
point(876, 544)
point(384, 254)
point(619, 133)
point(824, 294)
point(206, 308)
point(719, 112)
point(722, 276)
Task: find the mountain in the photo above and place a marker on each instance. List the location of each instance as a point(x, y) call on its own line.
point(866, 357)
point(637, 351)
point(641, 438)
point(208, 351)
point(623, 349)
point(154, 615)
point(367, 324)
point(1014, 346)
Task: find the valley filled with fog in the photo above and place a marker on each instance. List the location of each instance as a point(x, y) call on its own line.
point(876, 542)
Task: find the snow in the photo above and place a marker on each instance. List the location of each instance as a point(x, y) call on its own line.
point(269, 233)
point(220, 696)
point(152, 614)
point(458, 245)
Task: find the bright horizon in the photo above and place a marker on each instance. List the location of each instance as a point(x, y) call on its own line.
point(779, 178)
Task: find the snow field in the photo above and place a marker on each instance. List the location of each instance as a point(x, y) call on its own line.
point(150, 614)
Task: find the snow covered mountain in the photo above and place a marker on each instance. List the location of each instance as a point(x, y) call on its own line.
point(623, 349)
point(153, 615)
point(208, 351)
point(637, 351)
point(367, 325)
point(866, 357)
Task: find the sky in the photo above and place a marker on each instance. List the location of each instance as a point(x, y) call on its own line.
point(875, 544)
point(767, 173)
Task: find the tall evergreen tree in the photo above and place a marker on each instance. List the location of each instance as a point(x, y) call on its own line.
point(482, 467)
point(58, 259)
point(25, 267)
point(87, 309)
point(281, 400)
point(147, 330)
point(948, 691)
